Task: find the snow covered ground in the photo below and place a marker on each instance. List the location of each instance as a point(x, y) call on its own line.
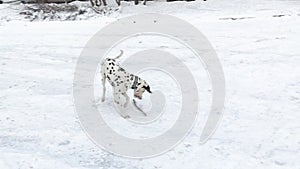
point(257, 42)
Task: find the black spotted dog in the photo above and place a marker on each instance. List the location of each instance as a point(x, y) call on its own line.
point(121, 81)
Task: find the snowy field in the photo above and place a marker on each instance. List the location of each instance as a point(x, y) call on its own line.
point(257, 42)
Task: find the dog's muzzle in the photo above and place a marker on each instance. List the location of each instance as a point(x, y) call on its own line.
point(139, 97)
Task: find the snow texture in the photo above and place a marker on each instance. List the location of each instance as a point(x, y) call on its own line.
point(257, 42)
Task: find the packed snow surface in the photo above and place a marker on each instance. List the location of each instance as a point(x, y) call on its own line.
point(257, 42)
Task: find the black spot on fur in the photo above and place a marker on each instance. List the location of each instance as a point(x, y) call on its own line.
point(147, 88)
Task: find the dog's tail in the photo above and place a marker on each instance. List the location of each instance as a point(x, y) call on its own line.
point(119, 55)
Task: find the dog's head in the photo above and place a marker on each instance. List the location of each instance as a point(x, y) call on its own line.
point(141, 87)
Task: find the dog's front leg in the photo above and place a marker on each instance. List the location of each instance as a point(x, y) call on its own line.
point(127, 99)
point(122, 111)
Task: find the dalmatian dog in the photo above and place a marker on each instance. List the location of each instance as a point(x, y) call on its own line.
point(121, 81)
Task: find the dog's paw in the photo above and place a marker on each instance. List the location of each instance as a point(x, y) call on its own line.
point(102, 100)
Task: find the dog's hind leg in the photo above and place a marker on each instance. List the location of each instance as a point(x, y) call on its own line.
point(103, 86)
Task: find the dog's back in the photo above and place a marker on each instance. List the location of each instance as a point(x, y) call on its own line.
point(108, 64)
point(113, 71)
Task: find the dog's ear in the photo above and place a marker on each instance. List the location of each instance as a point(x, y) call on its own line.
point(147, 88)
